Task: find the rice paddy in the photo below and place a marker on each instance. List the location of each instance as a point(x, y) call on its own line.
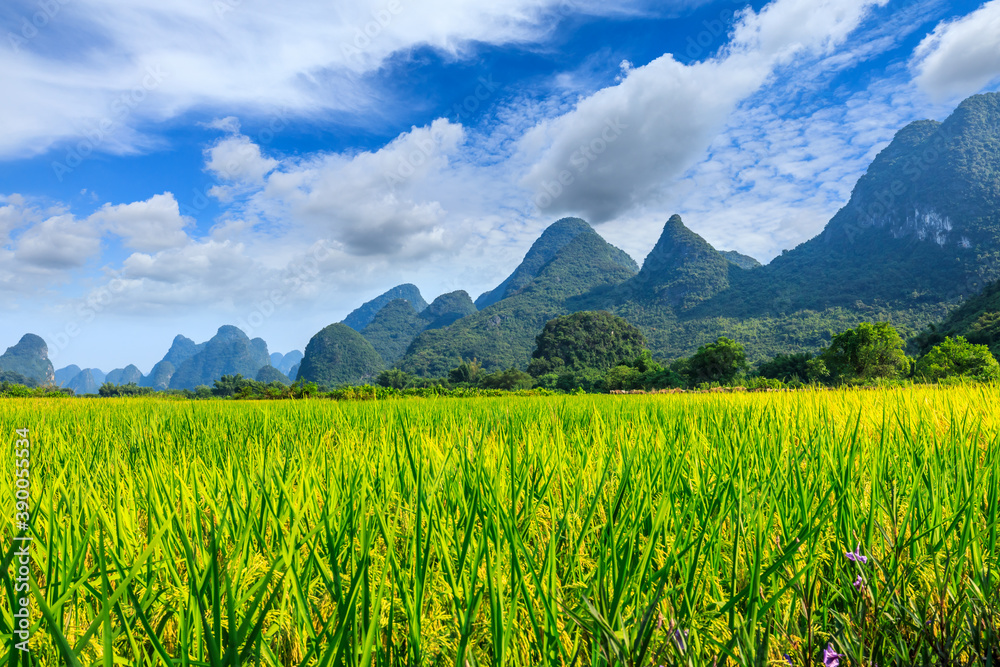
point(739, 529)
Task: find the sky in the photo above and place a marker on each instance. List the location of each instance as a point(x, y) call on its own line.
point(168, 168)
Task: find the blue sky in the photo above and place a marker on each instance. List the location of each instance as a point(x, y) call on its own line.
point(170, 168)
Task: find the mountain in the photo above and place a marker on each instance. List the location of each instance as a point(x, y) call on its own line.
point(293, 372)
point(364, 314)
point(288, 362)
point(30, 358)
point(159, 377)
point(16, 378)
point(84, 383)
point(920, 233)
point(269, 374)
point(339, 355)
point(448, 308)
point(502, 335)
point(64, 375)
point(128, 375)
point(740, 260)
point(398, 324)
point(181, 349)
point(555, 237)
point(229, 352)
point(681, 271)
point(977, 320)
point(393, 329)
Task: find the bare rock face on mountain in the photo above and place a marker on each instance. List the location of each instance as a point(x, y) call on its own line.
point(29, 358)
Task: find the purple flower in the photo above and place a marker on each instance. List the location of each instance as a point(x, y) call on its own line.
point(859, 583)
point(788, 659)
point(679, 637)
point(830, 657)
point(856, 555)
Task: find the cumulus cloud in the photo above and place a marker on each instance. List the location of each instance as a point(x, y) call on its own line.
point(147, 226)
point(158, 60)
point(627, 141)
point(371, 203)
point(60, 242)
point(960, 57)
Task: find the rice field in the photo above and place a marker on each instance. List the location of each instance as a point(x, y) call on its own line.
point(737, 529)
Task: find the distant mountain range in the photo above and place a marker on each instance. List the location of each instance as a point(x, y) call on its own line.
point(186, 364)
point(919, 236)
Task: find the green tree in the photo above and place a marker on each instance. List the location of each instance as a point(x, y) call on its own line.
point(509, 380)
point(787, 367)
point(467, 372)
point(395, 378)
point(622, 377)
point(720, 362)
point(867, 352)
point(588, 340)
point(957, 357)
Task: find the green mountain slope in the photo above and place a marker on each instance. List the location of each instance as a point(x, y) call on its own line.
point(181, 349)
point(920, 233)
point(978, 320)
point(740, 260)
point(128, 375)
point(366, 312)
point(555, 237)
point(339, 355)
point(503, 334)
point(30, 358)
point(398, 324)
point(84, 383)
point(393, 329)
point(64, 375)
point(229, 352)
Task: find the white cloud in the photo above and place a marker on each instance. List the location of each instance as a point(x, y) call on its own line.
point(384, 202)
point(60, 242)
point(960, 57)
point(147, 226)
point(157, 61)
point(624, 143)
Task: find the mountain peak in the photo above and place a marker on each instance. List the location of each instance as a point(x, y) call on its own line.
point(682, 269)
point(448, 308)
point(30, 358)
point(555, 237)
point(362, 316)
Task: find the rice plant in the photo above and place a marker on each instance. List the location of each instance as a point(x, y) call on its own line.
point(808, 528)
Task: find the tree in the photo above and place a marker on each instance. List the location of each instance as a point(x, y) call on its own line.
point(467, 373)
point(720, 362)
point(867, 352)
point(509, 380)
point(228, 385)
point(394, 378)
point(622, 377)
point(957, 357)
point(787, 367)
point(588, 340)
